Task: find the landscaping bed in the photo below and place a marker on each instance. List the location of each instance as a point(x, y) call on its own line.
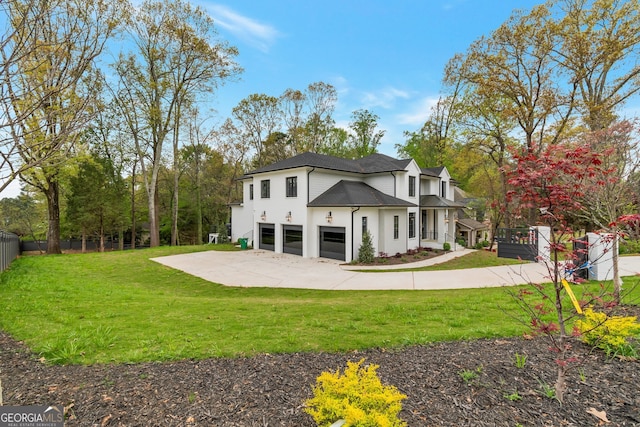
point(463, 383)
point(413, 255)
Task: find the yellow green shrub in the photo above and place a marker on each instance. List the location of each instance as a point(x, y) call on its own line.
point(357, 396)
point(607, 332)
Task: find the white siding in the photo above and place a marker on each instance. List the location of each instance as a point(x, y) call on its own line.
point(383, 182)
point(388, 243)
point(277, 207)
point(372, 226)
point(321, 181)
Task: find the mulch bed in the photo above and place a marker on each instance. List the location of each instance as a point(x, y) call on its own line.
point(415, 255)
point(269, 390)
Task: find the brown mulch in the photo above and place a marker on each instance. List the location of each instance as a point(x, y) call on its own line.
point(405, 258)
point(269, 390)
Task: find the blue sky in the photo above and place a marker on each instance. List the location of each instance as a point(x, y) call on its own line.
point(387, 57)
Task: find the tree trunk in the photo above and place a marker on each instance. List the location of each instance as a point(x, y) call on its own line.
point(84, 242)
point(198, 210)
point(176, 177)
point(154, 213)
point(154, 230)
point(133, 207)
point(53, 206)
point(101, 235)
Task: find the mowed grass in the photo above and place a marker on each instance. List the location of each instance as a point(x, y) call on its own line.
point(122, 307)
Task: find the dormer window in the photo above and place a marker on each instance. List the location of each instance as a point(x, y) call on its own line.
point(443, 193)
point(412, 186)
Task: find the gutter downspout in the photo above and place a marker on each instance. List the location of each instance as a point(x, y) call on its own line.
point(394, 183)
point(352, 245)
point(309, 173)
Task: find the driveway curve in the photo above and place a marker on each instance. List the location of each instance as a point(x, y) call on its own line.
point(259, 268)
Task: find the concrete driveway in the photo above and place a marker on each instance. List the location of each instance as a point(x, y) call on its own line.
point(259, 268)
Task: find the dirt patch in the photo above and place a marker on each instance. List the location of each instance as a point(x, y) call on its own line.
point(269, 390)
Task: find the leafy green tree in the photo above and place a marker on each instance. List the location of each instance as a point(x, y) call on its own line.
point(596, 45)
point(259, 116)
point(321, 98)
point(52, 86)
point(23, 215)
point(96, 201)
point(515, 66)
point(364, 139)
point(177, 57)
point(366, 253)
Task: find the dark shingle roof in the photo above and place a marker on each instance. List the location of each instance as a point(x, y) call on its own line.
point(432, 171)
point(432, 201)
point(354, 193)
point(374, 163)
point(472, 224)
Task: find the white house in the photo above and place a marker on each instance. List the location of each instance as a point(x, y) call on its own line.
point(315, 205)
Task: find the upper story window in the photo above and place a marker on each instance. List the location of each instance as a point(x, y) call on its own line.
point(443, 192)
point(292, 186)
point(250, 191)
point(265, 188)
point(396, 227)
point(412, 186)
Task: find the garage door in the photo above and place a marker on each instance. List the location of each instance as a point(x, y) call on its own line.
point(267, 237)
point(332, 242)
point(292, 239)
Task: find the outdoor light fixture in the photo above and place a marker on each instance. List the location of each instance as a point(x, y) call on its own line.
point(263, 216)
point(288, 216)
point(329, 218)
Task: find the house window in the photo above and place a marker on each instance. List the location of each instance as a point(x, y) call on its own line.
point(444, 189)
point(396, 227)
point(364, 224)
point(423, 223)
point(412, 186)
point(265, 188)
point(292, 186)
point(412, 225)
point(250, 191)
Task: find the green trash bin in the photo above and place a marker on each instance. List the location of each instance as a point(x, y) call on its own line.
point(243, 242)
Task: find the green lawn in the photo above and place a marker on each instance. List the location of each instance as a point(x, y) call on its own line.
point(122, 307)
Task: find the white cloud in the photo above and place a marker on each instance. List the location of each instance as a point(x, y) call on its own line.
point(418, 113)
point(257, 34)
point(385, 98)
